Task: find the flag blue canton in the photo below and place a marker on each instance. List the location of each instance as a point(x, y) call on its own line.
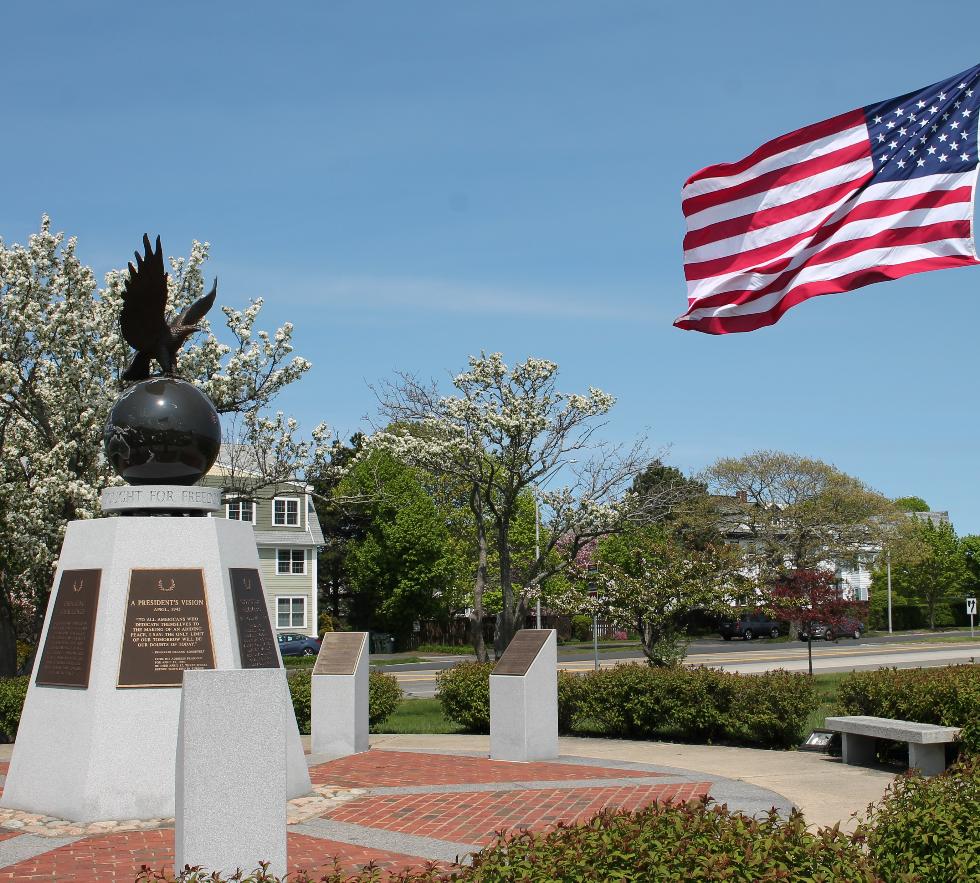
point(929, 132)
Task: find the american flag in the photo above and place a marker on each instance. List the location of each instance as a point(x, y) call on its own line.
point(874, 194)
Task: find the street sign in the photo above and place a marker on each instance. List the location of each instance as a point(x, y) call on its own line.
point(971, 606)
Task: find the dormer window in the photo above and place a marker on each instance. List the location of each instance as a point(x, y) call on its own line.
point(285, 511)
point(240, 510)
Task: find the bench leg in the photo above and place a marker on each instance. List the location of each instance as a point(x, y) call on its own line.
point(858, 750)
point(930, 760)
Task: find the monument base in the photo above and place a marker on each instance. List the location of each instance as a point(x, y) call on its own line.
point(107, 751)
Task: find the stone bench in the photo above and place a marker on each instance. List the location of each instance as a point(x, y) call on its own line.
point(927, 742)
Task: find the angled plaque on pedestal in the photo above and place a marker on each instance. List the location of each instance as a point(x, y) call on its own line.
point(524, 698)
point(107, 750)
point(339, 708)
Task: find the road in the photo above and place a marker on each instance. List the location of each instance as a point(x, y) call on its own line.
point(746, 657)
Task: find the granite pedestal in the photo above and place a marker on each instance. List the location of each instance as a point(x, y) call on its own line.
point(524, 698)
point(231, 814)
point(339, 707)
point(105, 751)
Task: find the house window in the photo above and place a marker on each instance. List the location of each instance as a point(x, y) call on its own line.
point(285, 511)
point(241, 510)
point(290, 612)
point(290, 561)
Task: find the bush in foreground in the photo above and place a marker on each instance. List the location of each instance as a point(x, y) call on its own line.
point(925, 830)
point(948, 696)
point(12, 694)
point(640, 702)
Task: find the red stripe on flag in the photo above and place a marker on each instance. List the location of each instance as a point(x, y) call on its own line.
point(894, 237)
point(859, 279)
point(768, 216)
point(784, 142)
point(820, 232)
point(778, 177)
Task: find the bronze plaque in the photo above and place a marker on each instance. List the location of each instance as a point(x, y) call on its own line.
point(521, 652)
point(339, 653)
point(67, 655)
point(256, 644)
point(167, 629)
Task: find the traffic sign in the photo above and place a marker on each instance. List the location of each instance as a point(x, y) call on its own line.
point(971, 606)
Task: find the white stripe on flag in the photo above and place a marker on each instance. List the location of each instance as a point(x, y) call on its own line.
point(791, 157)
point(865, 260)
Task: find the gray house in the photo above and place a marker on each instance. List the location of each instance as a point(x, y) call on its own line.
point(288, 537)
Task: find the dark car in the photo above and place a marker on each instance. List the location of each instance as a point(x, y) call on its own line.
point(292, 644)
point(846, 628)
point(753, 625)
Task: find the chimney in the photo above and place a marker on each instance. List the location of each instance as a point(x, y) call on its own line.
point(742, 496)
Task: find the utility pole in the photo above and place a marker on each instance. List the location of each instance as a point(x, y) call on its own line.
point(537, 558)
point(888, 560)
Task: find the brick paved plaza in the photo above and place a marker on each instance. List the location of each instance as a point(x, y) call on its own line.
point(411, 807)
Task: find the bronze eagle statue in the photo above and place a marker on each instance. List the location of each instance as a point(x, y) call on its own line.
point(145, 325)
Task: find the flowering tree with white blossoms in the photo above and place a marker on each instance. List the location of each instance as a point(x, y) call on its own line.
point(646, 580)
point(506, 432)
point(61, 358)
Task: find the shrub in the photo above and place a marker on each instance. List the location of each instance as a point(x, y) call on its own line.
point(464, 692)
point(948, 696)
point(12, 694)
point(384, 694)
point(581, 628)
point(299, 691)
point(640, 702)
point(695, 841)
point(925, 829)
point(701, 704)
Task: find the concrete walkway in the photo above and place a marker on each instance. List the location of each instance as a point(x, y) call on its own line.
point(825, 790)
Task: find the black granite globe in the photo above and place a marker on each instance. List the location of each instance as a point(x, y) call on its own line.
point(162, 431)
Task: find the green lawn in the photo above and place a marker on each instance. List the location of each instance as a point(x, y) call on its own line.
point(418, 716)
point(826, 688)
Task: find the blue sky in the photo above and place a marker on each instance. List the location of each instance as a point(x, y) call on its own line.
point(414, 182)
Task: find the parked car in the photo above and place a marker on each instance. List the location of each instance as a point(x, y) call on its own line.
point(846, 628)
point(291, 644)
point(753, 625)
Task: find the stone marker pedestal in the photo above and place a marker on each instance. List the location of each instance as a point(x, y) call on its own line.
point(231, 771)
point(339, 705)
point(136, 601)
point(524, 698)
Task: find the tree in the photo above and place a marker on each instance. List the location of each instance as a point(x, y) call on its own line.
point(687, 508)
point(911, 504)
point(503, 435)
point(795, 513)
point(646, 580)
point(61, 357)
point(811, 596)
point(404, 567)
point(928, 564)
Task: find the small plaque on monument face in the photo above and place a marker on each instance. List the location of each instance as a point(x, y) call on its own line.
point(67, 654)
point(256, 644)
point(339, 653)
point(521, 652)
point(167, 629)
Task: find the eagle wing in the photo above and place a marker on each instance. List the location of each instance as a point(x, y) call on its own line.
point(199, 309)
point(145, 299)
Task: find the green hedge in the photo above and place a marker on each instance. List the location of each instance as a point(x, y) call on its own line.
point(640, 702)
point(925, 830)
point(12, 693)
point(948, 696)
point(384, 694)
